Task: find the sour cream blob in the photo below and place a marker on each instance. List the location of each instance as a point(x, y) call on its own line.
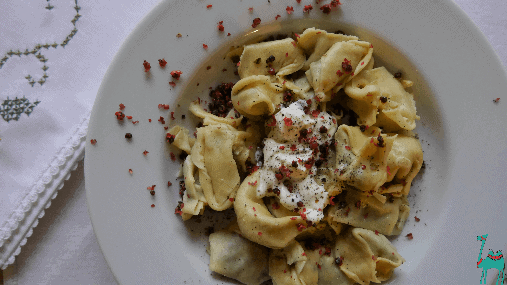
point(290, 152)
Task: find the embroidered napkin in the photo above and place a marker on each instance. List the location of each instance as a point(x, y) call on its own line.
point(53, 56)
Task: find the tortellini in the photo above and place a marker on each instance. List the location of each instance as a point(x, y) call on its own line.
point(283, 56)
point(337, 66)
point(317, 42)
point(256, 95)
point(362, 210)
point(377, 89)
point(236, 257)
point(258, 224)
point(361, 157)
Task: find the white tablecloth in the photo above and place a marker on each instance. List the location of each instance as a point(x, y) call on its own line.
point(63, 248)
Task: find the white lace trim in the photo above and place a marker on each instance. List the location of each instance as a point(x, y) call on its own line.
point(15, 231)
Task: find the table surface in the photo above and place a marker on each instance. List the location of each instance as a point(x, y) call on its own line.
point(63, 248)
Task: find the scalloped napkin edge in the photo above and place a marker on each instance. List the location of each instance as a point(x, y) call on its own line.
point(15, 231)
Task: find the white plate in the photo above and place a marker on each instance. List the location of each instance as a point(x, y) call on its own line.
point(460, 194)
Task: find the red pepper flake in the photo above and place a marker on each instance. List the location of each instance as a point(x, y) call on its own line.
point(275, 206)
point(362, 63)
point(328, 251)
point(496, 100)
point(300, 227)
point(331, 200)
point(373, 257)
point(293, 147)
point(256, 22)
point(162, 62)
point(388, 168)
point(93, 141)
point(293, 218)
point(279, 176)
point(220, 26)
point(153, 205)
point(172, 83)
point(130, 171)
point(149, 120)
point(303, 254)
point(335, 3)
point(410, 236)
point(259, 233)
point(277, 16)
point(205, 46)
point(172, 116)
point(288, 121)
point(289, 10)
point(417, 219)
point(250, 9)
point(135, 122)
point(119, 115)
point(315, 113)
point(147, 66)
point(224, 70)
point(161, 120)
point(253, 184)
point(294, 43)
point(326, 9)
point(307, 8)
point(176, 74)
point(272, 71)
point(228, 34)
point(209, 6)
point(145, 152)
point(376, 232)
point(347, 147)
point(318, 265)
point(208, 67)
point(169, 183)
point(231, 199)
point(170, 138)
point(299, 1)
point(179, 35)
point(122, 106)
point(173, 156)
point(282, 147)
point(129, 117)
point(339, 73)
point(363, 167)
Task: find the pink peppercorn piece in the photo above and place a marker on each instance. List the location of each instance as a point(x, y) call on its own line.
point(147, 66)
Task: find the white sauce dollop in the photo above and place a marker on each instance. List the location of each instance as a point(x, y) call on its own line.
point(285, 158)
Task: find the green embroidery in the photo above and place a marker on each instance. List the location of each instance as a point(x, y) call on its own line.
point(37, 49)
point(12, 109)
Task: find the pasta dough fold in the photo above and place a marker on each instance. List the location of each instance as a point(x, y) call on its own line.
point(256, 95)
point(361, 210)
point(238, 258)
point(317, 42)
point(361, 158)
point(293, 265)
point(287, 58)
point(397, 112)
point(257, 223)
point(367, 257)
point(218, 172)
point(337, 66)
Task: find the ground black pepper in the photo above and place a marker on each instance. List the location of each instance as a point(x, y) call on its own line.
point(129, 136)
point(397, 75)
point(383, 99)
